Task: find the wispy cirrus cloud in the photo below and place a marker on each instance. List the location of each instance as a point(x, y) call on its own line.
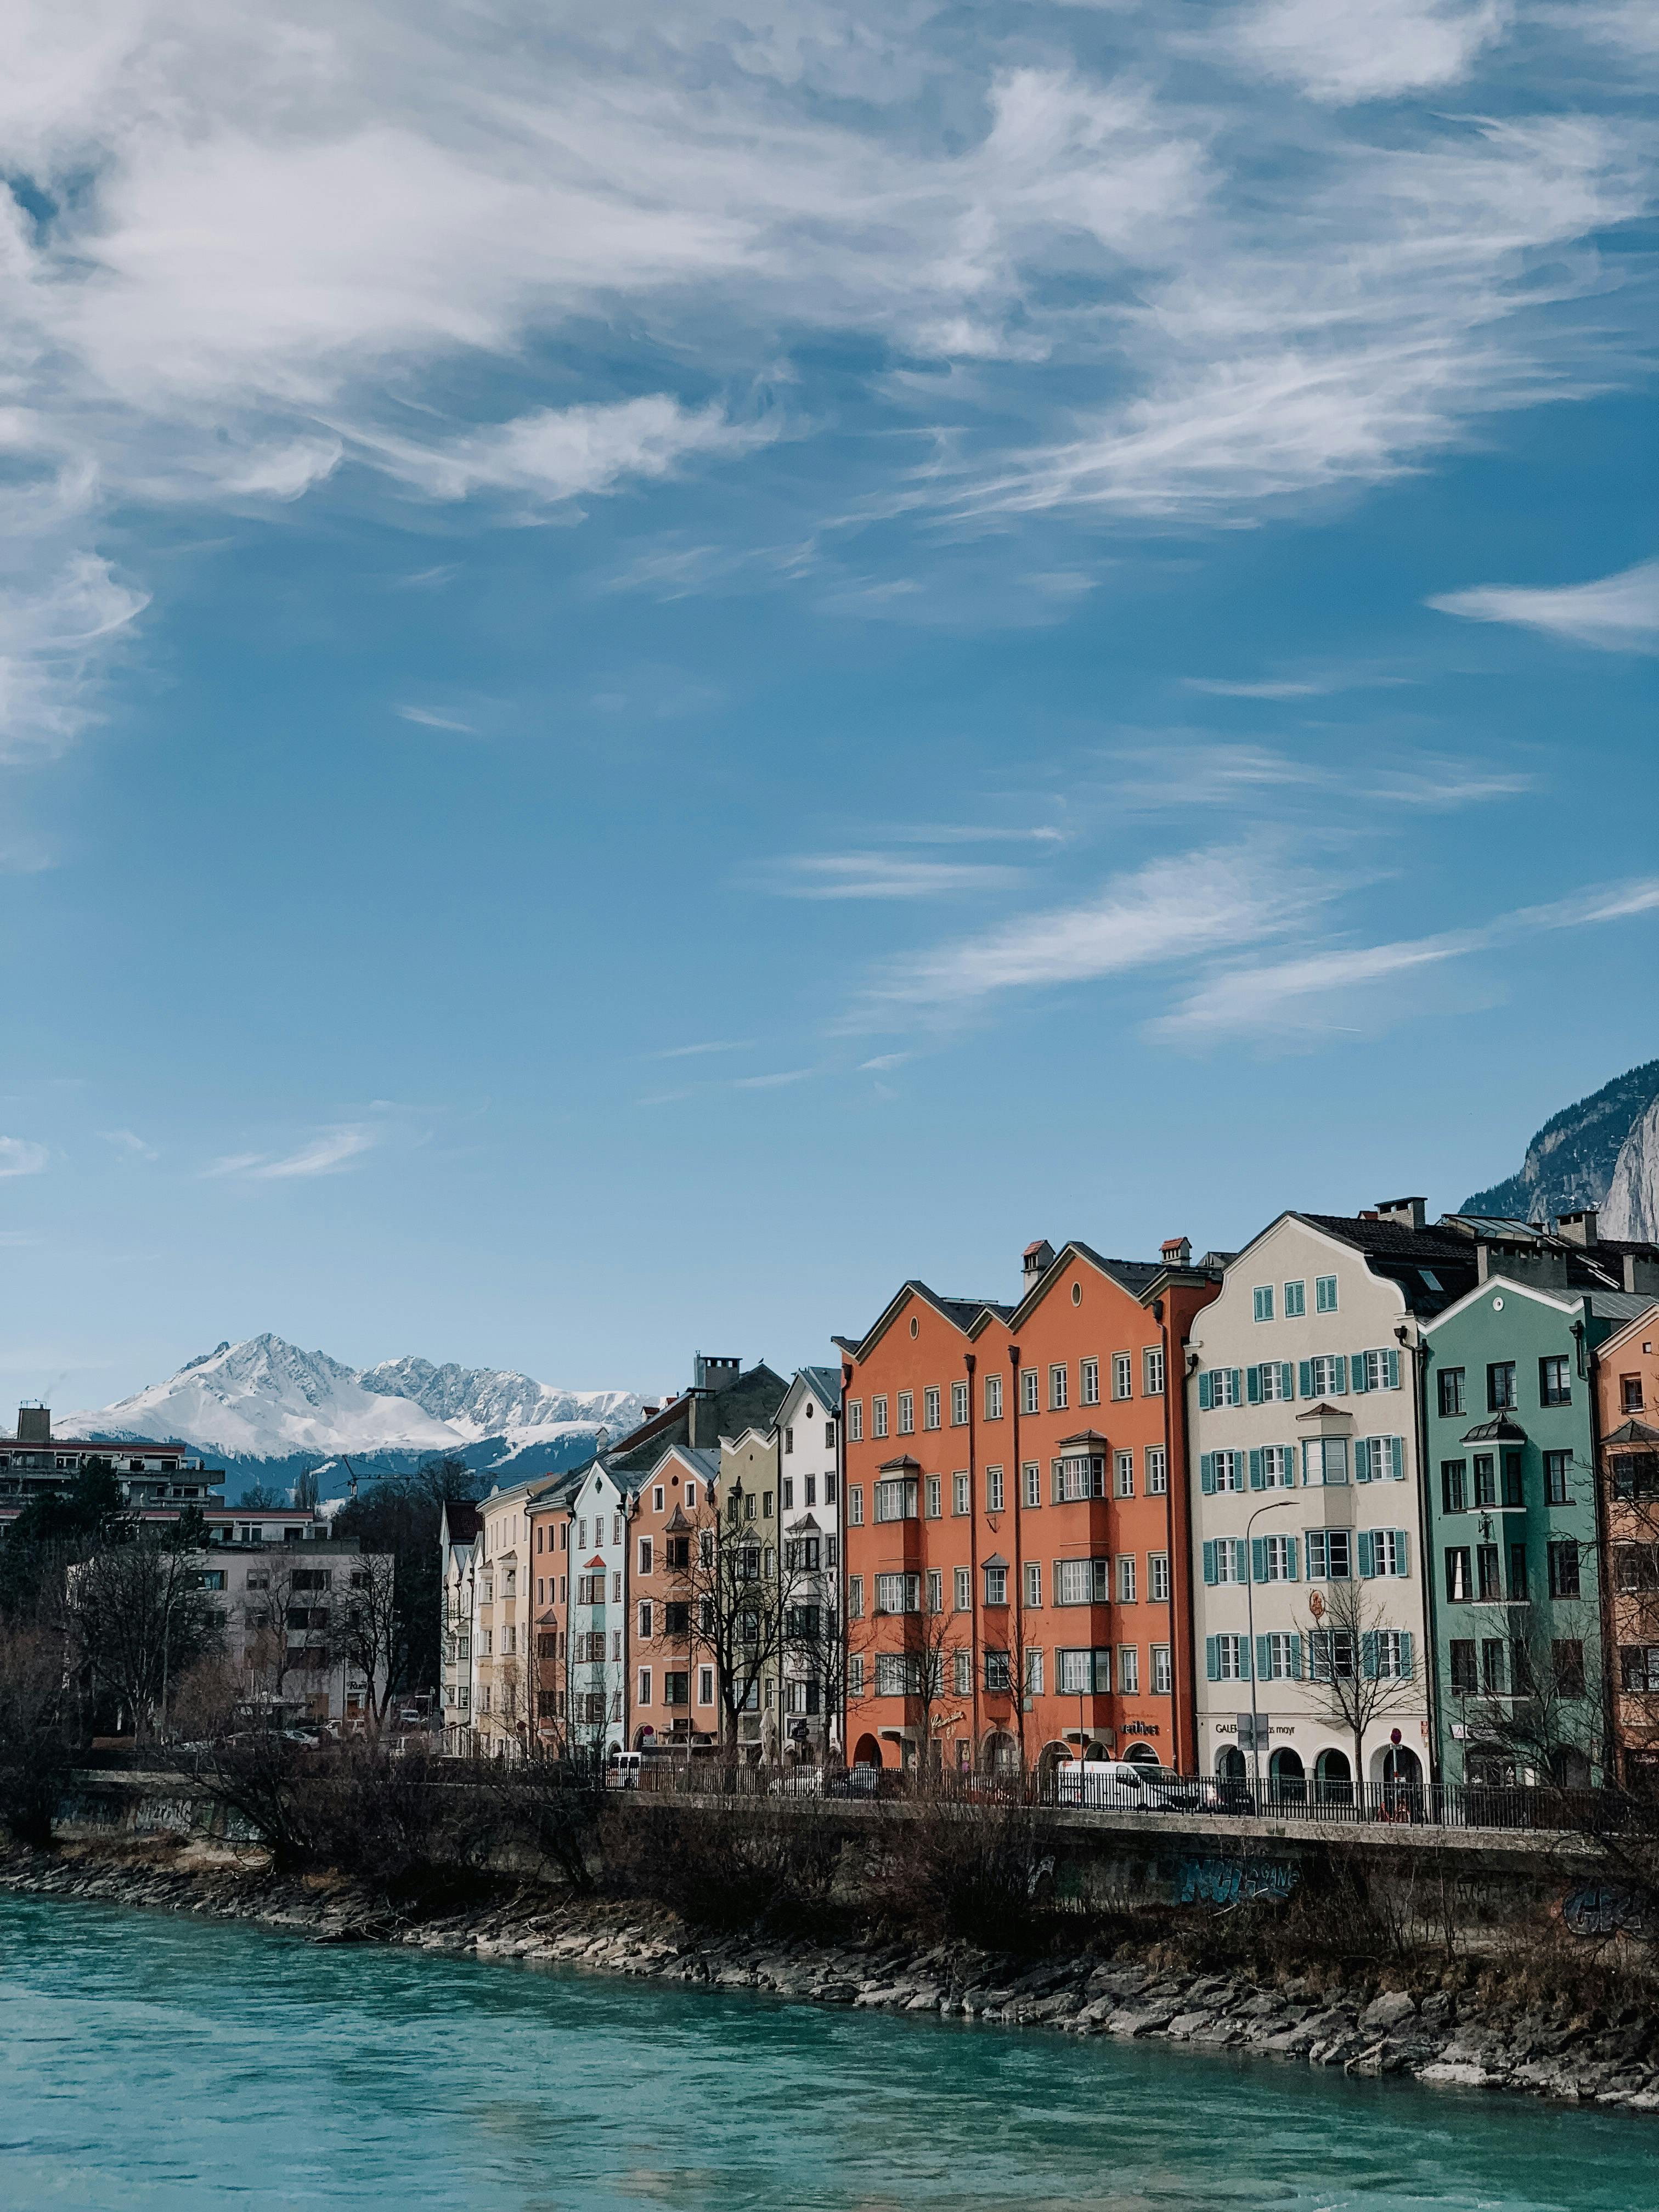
point(1307, 993)
point(1181, 774)
point(130, 1143)
point(21, 1156)
point(885, 875)
point(1344, 51)
point(1615, 614)
point(429, 718)
point(698, 1051)
point(325, 1154)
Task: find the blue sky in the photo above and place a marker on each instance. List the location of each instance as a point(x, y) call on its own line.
point(652, 675)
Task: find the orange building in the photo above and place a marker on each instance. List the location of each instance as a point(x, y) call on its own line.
point(1627, 1424)
point(672, 1691)
point(1017, 1548)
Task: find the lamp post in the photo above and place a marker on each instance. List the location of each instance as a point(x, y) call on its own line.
point(1276, 1505)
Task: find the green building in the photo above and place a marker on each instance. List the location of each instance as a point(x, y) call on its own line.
point(1510, 1465)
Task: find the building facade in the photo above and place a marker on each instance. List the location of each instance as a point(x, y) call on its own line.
point(1010, 1518)
point(158, 1481)
point(1311, 1620)
point(501, 1636)
point(457, 1586)
point(809, 1535)
point(1626, 1382)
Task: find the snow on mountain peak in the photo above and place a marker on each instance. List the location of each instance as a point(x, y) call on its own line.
point(266, 1398)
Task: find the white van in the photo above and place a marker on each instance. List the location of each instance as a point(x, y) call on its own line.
point(1124, 1785)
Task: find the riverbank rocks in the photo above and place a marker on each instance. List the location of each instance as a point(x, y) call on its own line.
point(1437, 2038)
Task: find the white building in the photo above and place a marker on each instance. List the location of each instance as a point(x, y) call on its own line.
point(597, 1655)
point(809, 1509)
point(459, 1530)
point(1308, 1534)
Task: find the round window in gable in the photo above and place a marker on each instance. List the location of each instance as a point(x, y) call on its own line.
point(916, 1326)
point(1077, 1294)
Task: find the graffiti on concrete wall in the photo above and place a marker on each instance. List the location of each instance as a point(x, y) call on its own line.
point(1233, 1881)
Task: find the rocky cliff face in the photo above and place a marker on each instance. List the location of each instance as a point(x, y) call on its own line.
point(1633, 1201)
point(1575, 1158)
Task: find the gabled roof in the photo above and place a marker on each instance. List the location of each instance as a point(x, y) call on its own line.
point(750, 1401)
point(963, 1314)
point(1414, 1259)
point(1133, 1276)
point(461, 1520)
point(1650, 1313)
point(824, 1382)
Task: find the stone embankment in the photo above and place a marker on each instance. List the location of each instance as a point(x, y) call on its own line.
point(1433, 2036)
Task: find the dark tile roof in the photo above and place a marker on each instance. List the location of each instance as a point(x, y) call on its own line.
point(462, 1520)
point(826, 1381)
point(1403, 1254)
point(1133, 1274)
point(750, 1403)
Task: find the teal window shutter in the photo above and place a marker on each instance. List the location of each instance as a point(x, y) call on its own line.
point(1257, 1479)
point(1207, 1473)
point(1206, 1391)
point(1296, 1658)
point(1288, 1451)
point(1264, 1658)
point(1342, 1375)
point(1357, 1365)
point(1304, 1379)
point(1253, 1385)
point(1292, 1563)
point(1245, 1658)
point(1209, 1570)
point(1238, 1384)
point(1394, 1370)
point(1367, 1550)
point(1211, 1659)
point(1397, 1458)
point(1286, 1380)
point(1361, 1459)
point(1368, 1655)
point(1402, 1551)
point(1258, 1558)
point(1406, 1653)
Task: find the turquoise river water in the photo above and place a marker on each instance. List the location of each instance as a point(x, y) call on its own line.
point(155, 2061)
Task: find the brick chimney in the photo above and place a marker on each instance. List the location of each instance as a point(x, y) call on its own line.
point(34, 1425)
point(1404, 1213)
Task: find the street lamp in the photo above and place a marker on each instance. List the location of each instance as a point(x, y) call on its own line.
point(1275, 1505)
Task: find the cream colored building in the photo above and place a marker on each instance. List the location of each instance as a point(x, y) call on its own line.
point(502, 1693)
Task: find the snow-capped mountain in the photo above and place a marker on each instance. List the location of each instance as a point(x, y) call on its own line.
point(269, 1411)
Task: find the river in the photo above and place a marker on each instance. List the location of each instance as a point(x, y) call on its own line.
point(151, 2061)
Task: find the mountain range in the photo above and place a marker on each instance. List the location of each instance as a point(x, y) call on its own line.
point(268, 1413)
point(1604, 1152)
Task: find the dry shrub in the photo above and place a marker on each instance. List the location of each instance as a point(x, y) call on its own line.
point(750, 1863)
point(980, 1868)
point(34, 1751)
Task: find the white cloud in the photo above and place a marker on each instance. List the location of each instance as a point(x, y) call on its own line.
point(1219, 688)
point(325, 1155)
point(429, 719)
point(1351, 50)
point(128, 1141)
point(1166, 911)
point(1616, 614)
point(1337, 988)
point(696, 1051)
point(560, 453)
point(773, 1082)
point(19, 1156)
point(50, 641)
point(885, 875)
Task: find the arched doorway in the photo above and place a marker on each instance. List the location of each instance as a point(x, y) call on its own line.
point(999, 1754)
point(1333, 1777)
point(1141, 1755)
point(867, 1751)
point(1230, 1764)
point(1569, 1769)
point(1094, 1748)
point(1288, 1775)
point(1051, 1756)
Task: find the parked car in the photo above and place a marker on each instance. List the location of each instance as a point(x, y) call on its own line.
point(861, 1781)
point(1125, 1784)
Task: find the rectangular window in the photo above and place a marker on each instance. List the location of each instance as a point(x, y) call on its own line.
point(1564, 1568)
point(1453, 1485)
point(961, 1499)
point(855, 1597)
point(1494, 1672)
point(935, 1497)
point(1485, 1561)
point(1033, 1479)
point(1082, 1582)
point(1029, 1386)
point(993, 1397)
point(1330, 1555)
point(1225, 1560)
point(930, 1406)
point(1486, 1481)
point(878, 1416)
point(1275, 1560)
point(1034, 1673)
point(1277, 1467)
point(645, 1621)
point(1122, 1375)
point(787, 1492)
point(1157, 1577)
point(1157, 1472)
point(962, 1590)
point(1262, 1297)
point(1227, 1653)
point(1464, 1680)
point(1450, 1381)
point(959, 1405)
point(1128, 1670)
point(1630, 1394)
point(1079, 1475)
point(896, 1498)
point(1126, 1474)
point(644, 1555)
point(993, 1490)
point(705, 1686)
point(1084, 1673)
point(1224, 1388)
point(1270, 1383)
point(1033, 1582)
point(1125, 1579)
point(1324, 1293)
point(1556, 1464)
point(996, 1585)
point(1151, 1371)
point(996, 1672)
point(1387, 1655)
point(1518, 1574)
point(1326, 1376)
point(935, 1591)
point(1088, 1382)
point(895, 1675)
point(1224, 1471)
point(1639, 1668)
point(788, 1440)
point(1278, 1658)
point(1057, 1390)
point(1500, 1386)
point(1514, 1488)
point(898, 1593)
point(645, 1686)
point(906, 1412)
point(1324, 1461)
point(855, 1420)
point(1567, 1661)
point(1295, 1301)
point(855, 1505)
point(1554, 1383)
point(855, 1675)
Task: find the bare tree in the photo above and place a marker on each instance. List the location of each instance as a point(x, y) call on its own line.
point(267, 1654)
point(1356, 1665)
point(1541, 1701)
point(369, 1631)
point(749, 1606)
point(141, 1618)
point(34, 1756)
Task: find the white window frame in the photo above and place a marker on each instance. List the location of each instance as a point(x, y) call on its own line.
point(1158, 1471)
point(1088, 1382)
point(1157, 1577)
point(1151, 1371)
point(1123, 1473)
